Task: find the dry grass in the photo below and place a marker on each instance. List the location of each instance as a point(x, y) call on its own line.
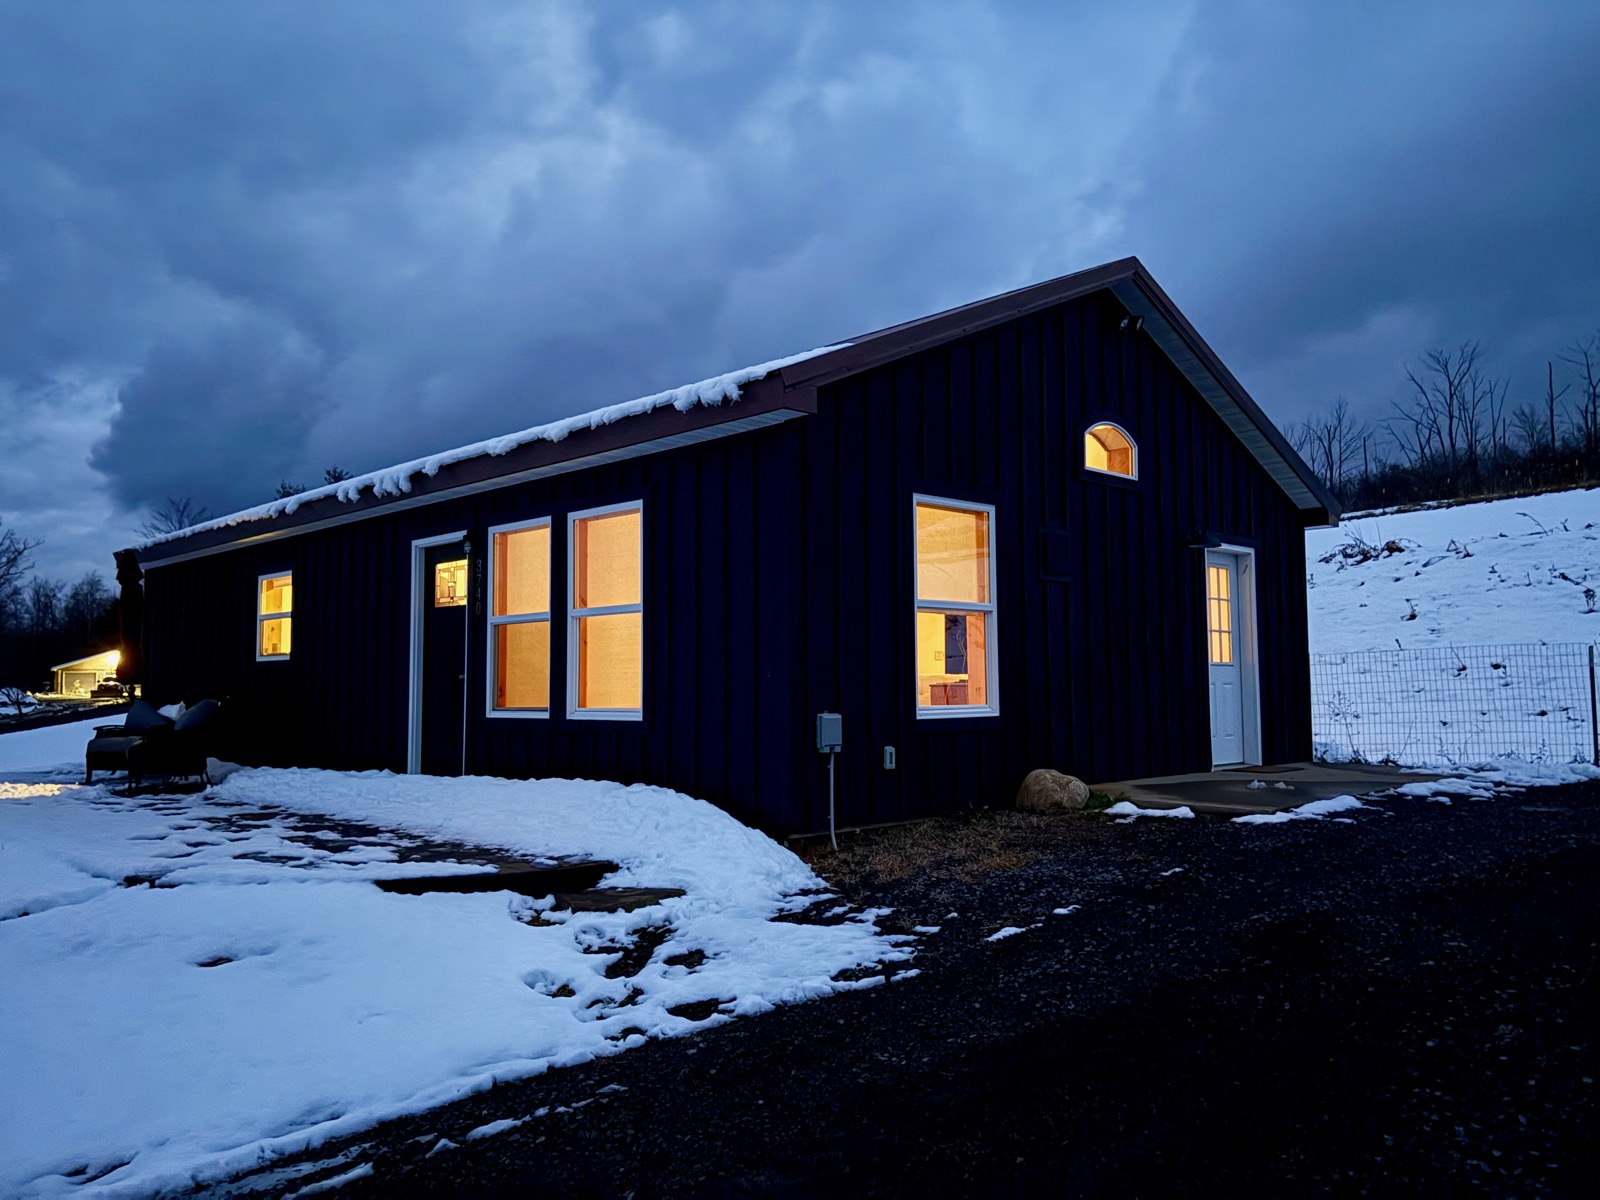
point(951, 848)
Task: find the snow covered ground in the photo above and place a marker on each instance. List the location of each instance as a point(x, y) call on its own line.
point(1455, 635)
point(54, 751)
point(193, 985)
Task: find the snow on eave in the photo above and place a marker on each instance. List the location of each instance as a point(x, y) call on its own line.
point(396, 480)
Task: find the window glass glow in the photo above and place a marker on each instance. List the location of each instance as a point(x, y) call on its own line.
point(606, 567)
point(1106, 448)
point(952, 554)
point(522, 665)
point(277, 594)
point(606, 634)
point(274, 626)
point(275, 638)
point(522, 571)
point(519, 620)
point(1219, 614)
point(955, 608)
point(611, 661)
point(450, 584)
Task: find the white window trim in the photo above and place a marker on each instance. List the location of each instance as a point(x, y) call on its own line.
point(1133, 450)
point(262, 617)
point(537, 714)
point(946, 712)
point(574, 614)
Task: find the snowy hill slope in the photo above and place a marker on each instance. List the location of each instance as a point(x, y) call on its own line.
point(1519, 570)
point(1457, 635)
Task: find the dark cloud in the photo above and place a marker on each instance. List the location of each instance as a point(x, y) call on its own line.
point(243, 242)
point(1336, 178)
point(233, 405)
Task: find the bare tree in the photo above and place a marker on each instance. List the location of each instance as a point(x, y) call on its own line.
point(1529, 424)
point(1586, 357)
point(86, 604)
point(172, 515)
point(1329, 443)
point(45, 602)
point(15, 557)
point(1551, 398)
point(1485, 416)
point(1439, 406)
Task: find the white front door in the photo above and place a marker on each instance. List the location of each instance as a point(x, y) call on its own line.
point(1224, 647)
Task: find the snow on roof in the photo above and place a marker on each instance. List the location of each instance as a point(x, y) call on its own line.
point(396, 480)
point(87, 658)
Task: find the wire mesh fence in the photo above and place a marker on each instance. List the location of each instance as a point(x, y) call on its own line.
point(1457, 703)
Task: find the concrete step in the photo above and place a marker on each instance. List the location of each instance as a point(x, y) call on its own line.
point(526, 879)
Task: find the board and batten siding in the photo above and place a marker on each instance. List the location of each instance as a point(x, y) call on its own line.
point(779, 583)
point(1101, 674)
point(720, 610)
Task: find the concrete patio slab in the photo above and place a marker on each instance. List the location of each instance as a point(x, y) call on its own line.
point(1229, 792)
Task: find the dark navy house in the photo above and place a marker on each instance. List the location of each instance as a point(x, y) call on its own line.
point(1048, 529)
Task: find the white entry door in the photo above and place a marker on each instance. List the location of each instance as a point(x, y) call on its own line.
point(1224, 649)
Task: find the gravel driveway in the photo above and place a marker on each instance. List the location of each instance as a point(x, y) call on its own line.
point(1403, 1004)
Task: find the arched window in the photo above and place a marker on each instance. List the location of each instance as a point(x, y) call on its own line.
point(1108, 448)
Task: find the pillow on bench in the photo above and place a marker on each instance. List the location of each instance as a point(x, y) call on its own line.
point(194, 718)
point(144, 718)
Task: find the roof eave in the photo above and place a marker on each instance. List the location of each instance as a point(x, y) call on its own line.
point(1189, 352)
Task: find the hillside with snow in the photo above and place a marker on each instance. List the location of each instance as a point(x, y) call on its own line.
point(1503, 571)
point(1451, 636)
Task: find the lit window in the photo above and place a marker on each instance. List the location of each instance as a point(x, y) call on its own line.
point(1219, 613)
point(1108, 448)
point(605, 637)
point(519, 620)
point(274, 606)
point(955, 609)
point(450, 584)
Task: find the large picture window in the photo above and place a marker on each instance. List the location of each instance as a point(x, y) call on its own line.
point(274, 616)
point(955, 611)
point(519, 620)
point(605, 635)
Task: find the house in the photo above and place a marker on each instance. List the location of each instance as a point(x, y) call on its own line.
point(1048, 529)
point(81, 676)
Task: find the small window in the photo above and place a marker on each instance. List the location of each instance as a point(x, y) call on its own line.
point(519, 620)
point(605, 635)
point(1108, 448)
point(1219, 611)
point(274, 619)
point(955, 614)
point(450, 584)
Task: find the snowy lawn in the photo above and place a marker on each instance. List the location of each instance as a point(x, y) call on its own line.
point(54, 752)
point(194, 985)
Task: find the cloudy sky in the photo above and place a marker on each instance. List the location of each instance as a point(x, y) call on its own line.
point(242, 241)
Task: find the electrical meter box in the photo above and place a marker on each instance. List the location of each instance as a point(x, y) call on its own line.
point(830, 733)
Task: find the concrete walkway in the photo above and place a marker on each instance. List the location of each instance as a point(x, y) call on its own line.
point(1229, 792)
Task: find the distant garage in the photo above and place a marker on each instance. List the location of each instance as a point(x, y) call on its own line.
point(81, 676)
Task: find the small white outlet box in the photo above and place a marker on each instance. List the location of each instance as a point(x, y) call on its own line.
point(888, 758)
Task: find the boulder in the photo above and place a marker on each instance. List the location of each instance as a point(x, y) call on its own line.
point(1046, 791)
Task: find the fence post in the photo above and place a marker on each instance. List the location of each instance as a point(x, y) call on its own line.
point(1594, 709)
